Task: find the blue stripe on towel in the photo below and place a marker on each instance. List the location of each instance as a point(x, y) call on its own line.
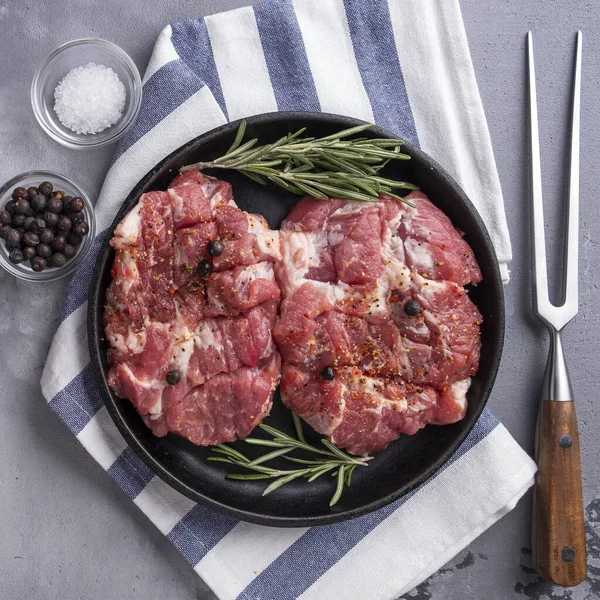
point(79, 401)
point(192, 43)
point(199, 531)
point(77, 290)
point(130, 472)
point(320, 548)
point(165, 91)
point(285, 54)
point(379, 67)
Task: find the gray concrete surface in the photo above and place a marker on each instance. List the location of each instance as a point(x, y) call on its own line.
point(67, 531)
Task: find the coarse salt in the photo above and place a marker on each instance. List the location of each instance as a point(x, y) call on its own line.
point(89, 99)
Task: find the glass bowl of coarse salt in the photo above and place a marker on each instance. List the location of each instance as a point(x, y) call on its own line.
point(86, 93)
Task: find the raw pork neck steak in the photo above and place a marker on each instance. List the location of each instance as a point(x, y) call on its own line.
point(377, 334)
point(189, 319)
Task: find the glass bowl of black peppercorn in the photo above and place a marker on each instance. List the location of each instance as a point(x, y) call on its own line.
point(47, 226)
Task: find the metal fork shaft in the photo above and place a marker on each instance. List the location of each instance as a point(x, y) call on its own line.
point(556, 385)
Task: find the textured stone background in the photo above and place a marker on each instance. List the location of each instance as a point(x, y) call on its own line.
point(67, 531)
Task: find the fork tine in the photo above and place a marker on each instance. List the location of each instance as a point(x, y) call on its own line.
point(570, 268)
point(540, 276)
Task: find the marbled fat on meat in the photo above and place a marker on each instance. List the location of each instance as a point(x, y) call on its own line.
point(347, 270)
point(161, 315)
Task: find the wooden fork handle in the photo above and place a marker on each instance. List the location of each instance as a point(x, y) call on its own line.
point(558, 535)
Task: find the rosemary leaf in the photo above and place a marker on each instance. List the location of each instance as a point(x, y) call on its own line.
point(335, 450)
point(344, 165)
point(346, 132)
point(401, 199)
point(261, 442)
point(279, 181)
point(345, 194)
point(395, 184)
point(385, 153)
point(340, 487)
point(318, 472)
point(283, 480)
point(239, 136)
point(275, 432)
point(243, 148)
point(263, 469)
point(264, 164)
point(302, 461)
point(250, 158)
point(327, 164)
point(310, 176)
point(304, 167)
point(293, 136)
point(268, 456)
point(255, 177)
point(249, 476)
point(311, 191)
point(381, 142)
point(363, 185)
point(224, 460)
point(229, 451)
point(349, 472)
point(298, 427)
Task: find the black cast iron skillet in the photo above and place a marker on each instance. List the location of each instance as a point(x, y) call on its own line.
point(405, 463)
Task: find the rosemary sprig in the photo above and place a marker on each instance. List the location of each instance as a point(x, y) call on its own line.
point(331, 460)
point(331, 166)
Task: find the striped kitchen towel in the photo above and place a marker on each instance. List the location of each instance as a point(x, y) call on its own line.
point(404, 64)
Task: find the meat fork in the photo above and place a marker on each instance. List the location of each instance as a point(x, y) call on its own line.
point(558, 532)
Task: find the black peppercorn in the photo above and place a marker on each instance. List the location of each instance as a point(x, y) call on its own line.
point(54, 205)
point(12, 237)
point(38, 263)
point(59, 242)
point(46, 236)
point(19, 192)
point(18, 220)
point(16, 256)
point(22, 206)
point(77, 217)
point(38, 202)
point(64, 223)
point(76, 204)
point(204, 268)
point(412, 308)
point(37, 225)
point(43, 250)
point(50, 218)
point(31, 239)
point(74, 239)
point(215, 247)
point(327, 373)
point(173, 377)
point(58, 260)
point(45, 188)
point(81, 228)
